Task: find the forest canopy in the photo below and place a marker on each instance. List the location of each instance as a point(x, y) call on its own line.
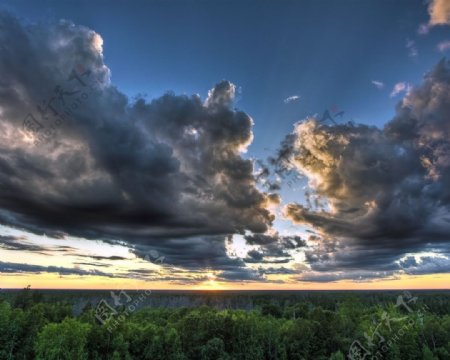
point(322, 326)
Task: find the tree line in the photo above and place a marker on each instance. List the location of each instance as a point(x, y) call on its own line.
point(406, 328)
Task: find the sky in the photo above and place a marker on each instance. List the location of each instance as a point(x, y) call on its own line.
point(225, 144)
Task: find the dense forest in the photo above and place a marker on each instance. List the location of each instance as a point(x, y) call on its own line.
point(398, 325)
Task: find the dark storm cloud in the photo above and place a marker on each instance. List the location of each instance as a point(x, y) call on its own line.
point(140, 172)
point(21, 243)
point(277, 271)
point(191, 254)
point(142, 271)
point(273, 248)
point(91, 264)
point(97, 257)
point(387, 191)
point(289, 242)
point(355, 276)
point(169, 176)
point(426, 265)
point(7, 267)
point(254, 256)
point(18, 243)
point(173, 275)
point(67, 249)
point(267, 257)
point(260, 239)
point(239, 275)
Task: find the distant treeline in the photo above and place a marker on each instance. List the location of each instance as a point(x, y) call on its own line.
point(316, 326)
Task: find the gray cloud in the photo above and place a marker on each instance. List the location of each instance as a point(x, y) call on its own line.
point(274, 249)
point(386, 190)
point(21, 243)
point(7, 267)
point(140, 172)
point(18, 243)
point(260, 239)
point(277, 271)
point(427, 265)
point(355, 276)
point(287, 242)
point(239, 275)
point(98, 257)
point(92, 264)
point(169, 175)
point(268, 257)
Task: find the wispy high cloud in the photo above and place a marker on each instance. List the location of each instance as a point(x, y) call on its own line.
point(412, 48)
point(399, 88)
point(444, 46)
point(291, 99)
point(378, 84)
point(423, 29)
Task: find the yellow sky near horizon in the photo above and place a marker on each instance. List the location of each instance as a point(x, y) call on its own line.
point(73, 263)
point(55, 281)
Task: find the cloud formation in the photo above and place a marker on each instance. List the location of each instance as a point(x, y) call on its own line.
point(15, 243)
point(7, 267)
point(385, 191)
point(107, 168)
point(169, 175)
point(273, 249)
point(439, 11)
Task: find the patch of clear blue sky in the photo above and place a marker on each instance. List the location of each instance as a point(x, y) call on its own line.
point(325, 51)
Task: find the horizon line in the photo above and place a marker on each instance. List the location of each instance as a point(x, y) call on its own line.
point(229, 290)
